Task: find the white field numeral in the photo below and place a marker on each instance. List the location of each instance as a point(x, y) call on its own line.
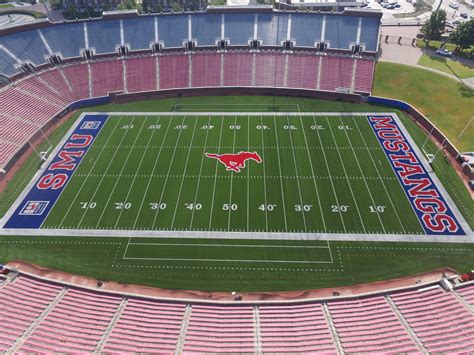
point(303, 208)
point(316, 127)
point(193, 206)
point(86, 205)
point(154, 126)
point(344, 128)
point(157, 206)
point(377, 209)
point(128, 126)
point(230, 207)
point(340, 208)
point(262, 127)
point(235, 127)
point(267, 207)
point(181, 126)
point(122, 205)
point(291, 126)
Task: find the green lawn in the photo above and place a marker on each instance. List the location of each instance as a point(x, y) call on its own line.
point(447, 103)
point(4, 6)
point(353, 262)
point(447, 65)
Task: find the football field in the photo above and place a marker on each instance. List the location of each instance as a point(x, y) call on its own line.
point(317, 174)
point(230, 172)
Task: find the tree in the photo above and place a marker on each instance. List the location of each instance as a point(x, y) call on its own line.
point(127, 5)
point(176, 7)
point(434, 26)
point(463, 36)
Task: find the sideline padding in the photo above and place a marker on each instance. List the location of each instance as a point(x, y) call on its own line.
point(39, 201)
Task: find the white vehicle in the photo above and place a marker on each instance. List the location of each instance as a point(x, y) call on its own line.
point(444, 52)
point(454, 5)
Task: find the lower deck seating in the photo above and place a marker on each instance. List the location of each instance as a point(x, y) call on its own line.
point(295, 328)
point(141, 74)
point(441, 322)
point(146, 326)
point(220, 329)
point(367, 325)
point(76, 323)
point(467, 293)
point(21, 303)
point(39, 97)
point(45, 317)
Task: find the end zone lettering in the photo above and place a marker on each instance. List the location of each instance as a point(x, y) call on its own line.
point(41, 198)
point(431, 208)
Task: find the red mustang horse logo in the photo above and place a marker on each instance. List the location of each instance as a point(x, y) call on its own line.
point(235, 162)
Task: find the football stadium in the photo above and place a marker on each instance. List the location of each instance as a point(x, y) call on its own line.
point(243, 179)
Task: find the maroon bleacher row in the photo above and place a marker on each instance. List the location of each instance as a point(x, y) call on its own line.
point(29, 104)
point(38, 316)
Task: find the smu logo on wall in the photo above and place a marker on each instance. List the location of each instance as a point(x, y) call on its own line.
point(41, 198)
point(432, 211)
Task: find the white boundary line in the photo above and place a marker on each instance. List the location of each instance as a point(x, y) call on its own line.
point(468, 238)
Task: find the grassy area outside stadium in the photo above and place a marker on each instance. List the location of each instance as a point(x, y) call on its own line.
point(253, 265)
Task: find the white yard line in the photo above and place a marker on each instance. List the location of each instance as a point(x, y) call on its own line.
point(264, 177)
point(215, 174)
point(345, 173)
point(152, 173)
point(168, 174)
point(329, 173)
point(248, 174)
point(200, 172)
point(138, 169)
point(120, 175)
point(84, 181)
point(184, 173)
point(239, 245)
point(364, 179)
point(281, 180)
point(231, 177)
point(312, 172)
point(380, 176)
point(237, 260)
point(297, 178)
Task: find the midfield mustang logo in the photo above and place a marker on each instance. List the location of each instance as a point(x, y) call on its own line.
point(235, 162)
